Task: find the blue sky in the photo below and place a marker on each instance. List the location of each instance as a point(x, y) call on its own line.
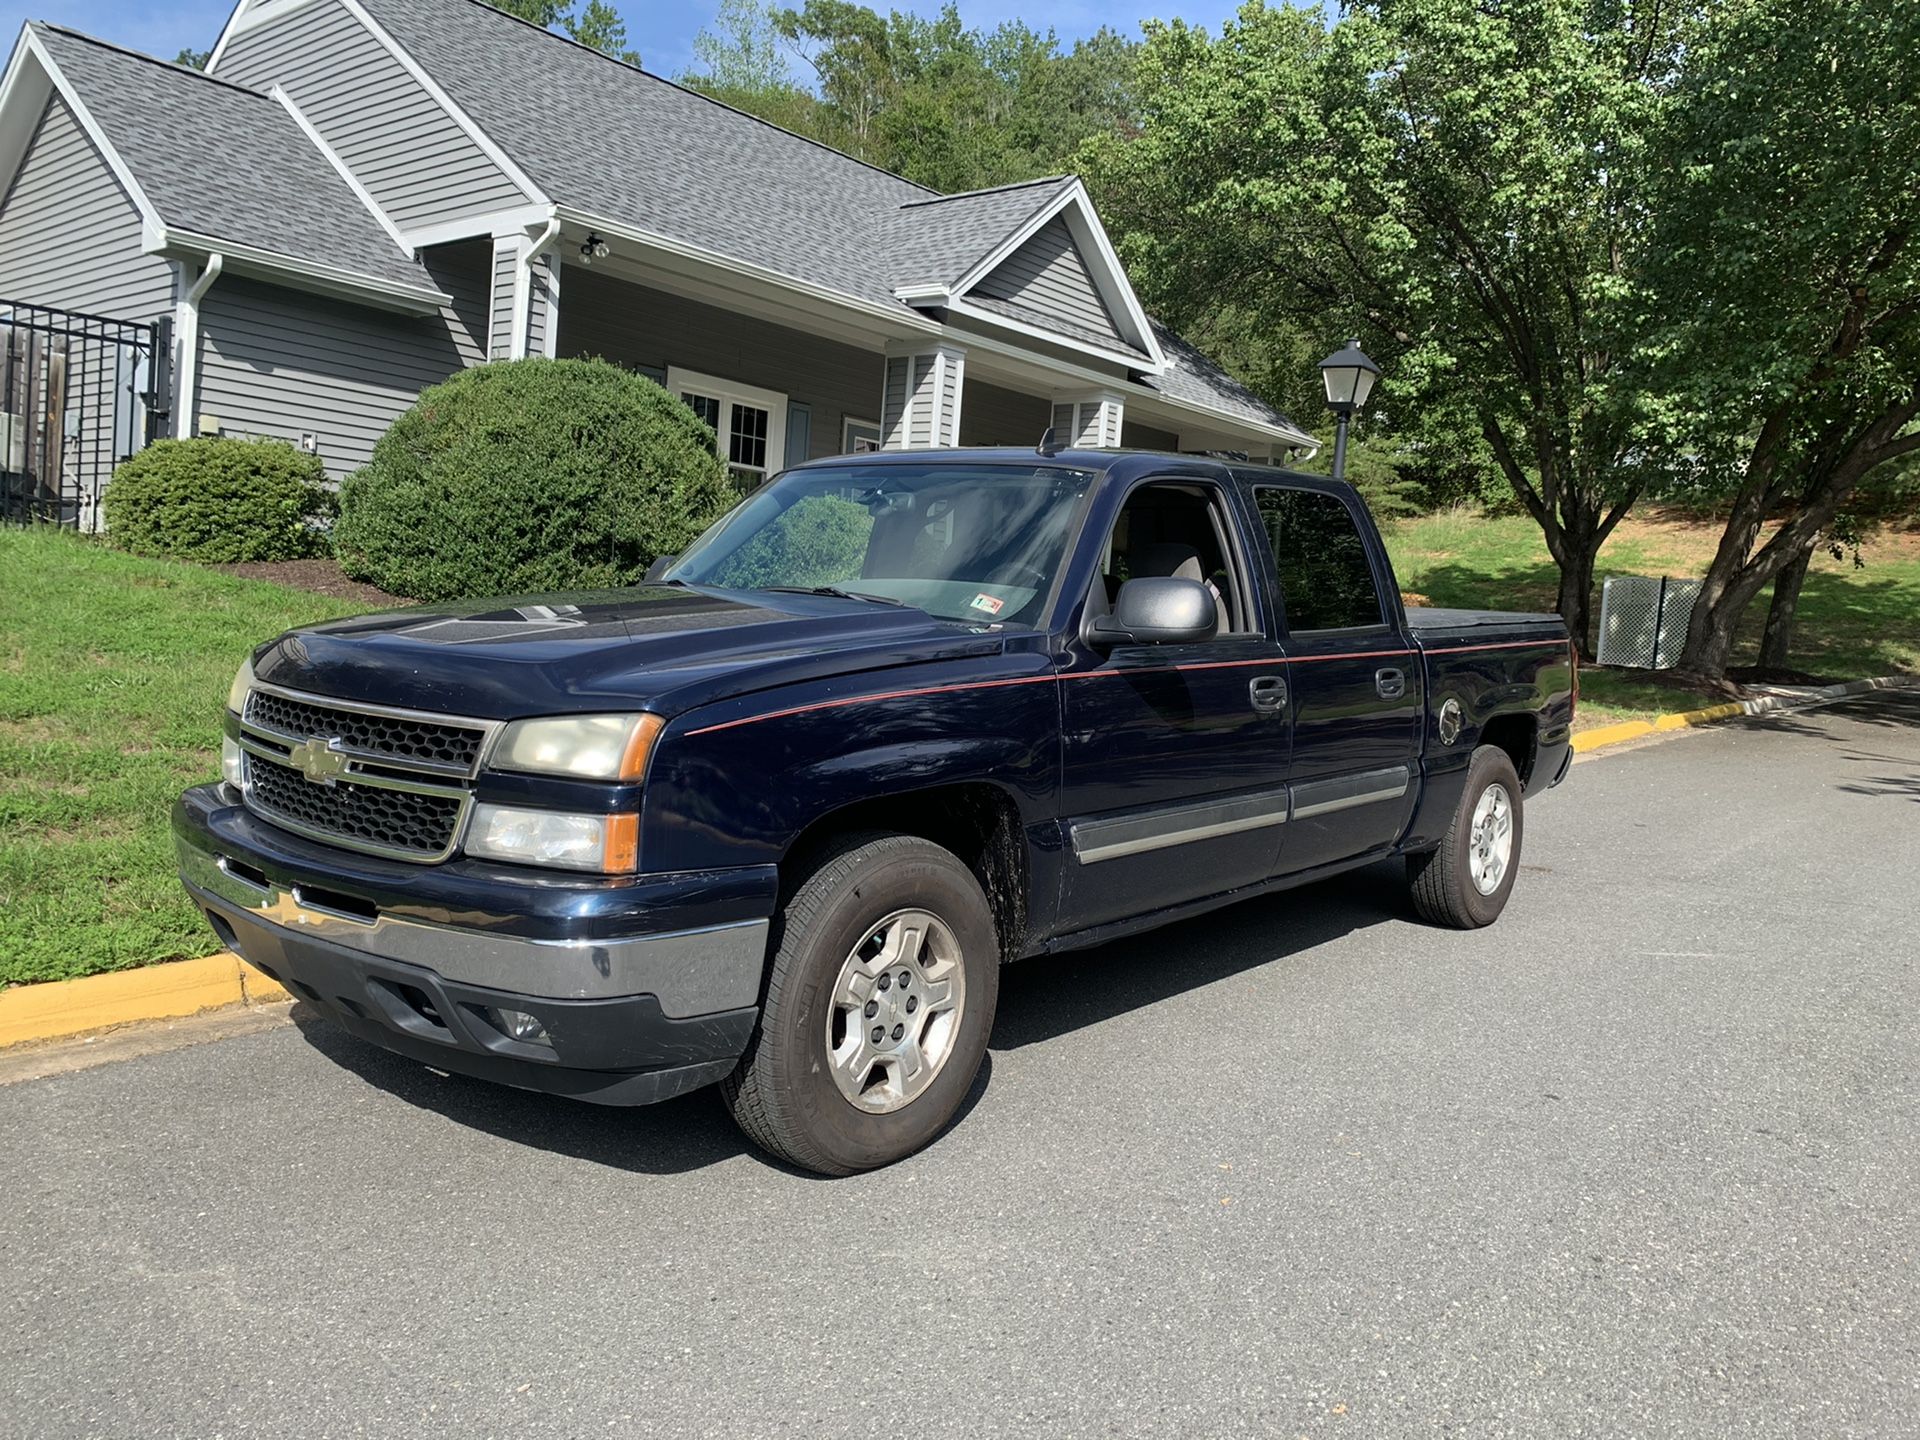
point(662, 33)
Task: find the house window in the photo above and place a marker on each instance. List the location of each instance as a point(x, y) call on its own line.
point(859, 436)
point(749, 424)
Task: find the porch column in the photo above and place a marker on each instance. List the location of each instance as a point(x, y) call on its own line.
point(920, 401)
point(523, 312)
point(1090, 419)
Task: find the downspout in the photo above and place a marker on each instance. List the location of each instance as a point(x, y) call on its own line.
point(522, 312)
point(186, 331)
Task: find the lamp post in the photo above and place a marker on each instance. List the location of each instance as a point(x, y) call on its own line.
point(1349, 377)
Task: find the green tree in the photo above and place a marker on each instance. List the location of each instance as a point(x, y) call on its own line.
point(1460, 184)
point(929, 98)
point(591, 22)
point(1788, 279)
point(193, 59)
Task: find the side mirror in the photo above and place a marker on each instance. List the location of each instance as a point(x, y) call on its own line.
point(657, 571)
point(1156, 610)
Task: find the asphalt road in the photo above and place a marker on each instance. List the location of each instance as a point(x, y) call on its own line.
point(1644, 1159)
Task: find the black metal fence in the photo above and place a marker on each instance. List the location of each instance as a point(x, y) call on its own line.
point(78, 394)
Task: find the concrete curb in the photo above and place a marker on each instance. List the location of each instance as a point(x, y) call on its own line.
point(63, 1008)
point(1588, 741)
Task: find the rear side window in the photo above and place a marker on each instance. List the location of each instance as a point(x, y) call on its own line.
point(1320, 560)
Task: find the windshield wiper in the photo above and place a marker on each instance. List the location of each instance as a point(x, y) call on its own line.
point(833, 590)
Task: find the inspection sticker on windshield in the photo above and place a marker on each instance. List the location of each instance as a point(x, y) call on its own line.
point(992, 604)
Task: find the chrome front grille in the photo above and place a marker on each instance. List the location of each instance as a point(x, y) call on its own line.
point(395, 783)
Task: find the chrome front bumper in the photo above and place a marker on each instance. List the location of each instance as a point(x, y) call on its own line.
point(695, 971)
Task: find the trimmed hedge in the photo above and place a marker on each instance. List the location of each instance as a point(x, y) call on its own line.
point(219, 501)
point(530, 475)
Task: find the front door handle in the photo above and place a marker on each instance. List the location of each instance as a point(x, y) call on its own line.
point(1268, 693)
point(1391, 684)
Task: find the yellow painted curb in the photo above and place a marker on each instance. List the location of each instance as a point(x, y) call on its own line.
point(1611, 735)
point(1707, 716)
point(156, 992)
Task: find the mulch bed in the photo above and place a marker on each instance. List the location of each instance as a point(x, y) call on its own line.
point(322, 577)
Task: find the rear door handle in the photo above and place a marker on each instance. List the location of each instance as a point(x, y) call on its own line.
point(1268, 693)
point(1391, 684)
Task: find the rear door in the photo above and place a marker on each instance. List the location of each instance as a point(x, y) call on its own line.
point(1353, 678)
point(1175, 756)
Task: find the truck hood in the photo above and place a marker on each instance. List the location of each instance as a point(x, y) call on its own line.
point(668, 649)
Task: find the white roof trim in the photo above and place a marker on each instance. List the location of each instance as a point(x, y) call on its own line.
point(896, 317)
point(304, 274)
point(478, 227)
point(30, 45)
point(959, 306)
point(1109, 277)
point(340, 168)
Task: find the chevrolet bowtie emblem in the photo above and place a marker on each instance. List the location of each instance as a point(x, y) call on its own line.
point(316, 759)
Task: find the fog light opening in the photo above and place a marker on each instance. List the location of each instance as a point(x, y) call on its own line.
point(519, 1025)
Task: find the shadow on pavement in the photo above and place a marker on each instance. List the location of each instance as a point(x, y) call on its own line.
point(1051, 996)
point(686, 1133)
point(1040, 1000)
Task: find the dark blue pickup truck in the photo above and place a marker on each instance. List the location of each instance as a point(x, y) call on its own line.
point(776, 819)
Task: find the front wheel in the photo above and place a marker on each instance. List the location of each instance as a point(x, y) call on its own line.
point(1464, 882)
point(880, 997)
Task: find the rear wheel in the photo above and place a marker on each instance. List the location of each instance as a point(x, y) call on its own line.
point(1464, 882)
point(879, 1000)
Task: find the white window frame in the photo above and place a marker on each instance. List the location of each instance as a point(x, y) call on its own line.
point(847, 424)
point(730, 393)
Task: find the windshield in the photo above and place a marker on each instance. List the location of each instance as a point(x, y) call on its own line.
point(963, 542)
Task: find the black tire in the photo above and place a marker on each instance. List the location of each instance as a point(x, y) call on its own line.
point(1441, 880)
point(783, 1095)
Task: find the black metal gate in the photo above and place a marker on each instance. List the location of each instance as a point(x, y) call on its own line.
point(78, 394)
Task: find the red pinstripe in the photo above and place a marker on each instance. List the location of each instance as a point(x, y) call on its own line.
point(1095, 675)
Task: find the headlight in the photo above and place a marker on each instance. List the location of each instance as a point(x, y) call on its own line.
point(232, 763)
point(589, 747)
point(607, 844)
point(242, 683)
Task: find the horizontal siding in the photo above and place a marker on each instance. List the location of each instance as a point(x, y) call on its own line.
point(279, 362)
point(893, 410)
point(950, 380)
point(1049, 275)
point(413, 158)
point(70, 236)
point(994, 415)
point(645, 329)
point(506, 265)
point(539, 304)
point(920, 417)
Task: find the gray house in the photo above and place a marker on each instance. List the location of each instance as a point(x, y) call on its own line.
point(360, 197)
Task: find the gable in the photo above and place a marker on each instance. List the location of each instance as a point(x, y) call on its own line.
point(1047, 282)
point(70, 236)
point(417, 162)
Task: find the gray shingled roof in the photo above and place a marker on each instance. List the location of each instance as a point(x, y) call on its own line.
point(938, 238)
point(1192, 377)
point(612, 140)
point(226, 162)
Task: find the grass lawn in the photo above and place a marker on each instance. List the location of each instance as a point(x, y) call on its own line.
point(1853, 623)
point(112, 675)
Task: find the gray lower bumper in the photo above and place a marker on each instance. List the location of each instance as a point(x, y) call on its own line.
point(689, 972)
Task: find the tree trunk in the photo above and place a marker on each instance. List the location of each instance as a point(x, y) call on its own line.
point(1776, 641)
point(1575, 602)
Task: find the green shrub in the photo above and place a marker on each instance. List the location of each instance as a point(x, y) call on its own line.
point(530, 475)
point(820, 541)
point(219, 501)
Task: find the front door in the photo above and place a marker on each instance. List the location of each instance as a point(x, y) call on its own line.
point(1355, 682)
point(1175, 756)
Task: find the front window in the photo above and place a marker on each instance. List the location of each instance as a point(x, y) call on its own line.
point(981, 543)
point(749, 424)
